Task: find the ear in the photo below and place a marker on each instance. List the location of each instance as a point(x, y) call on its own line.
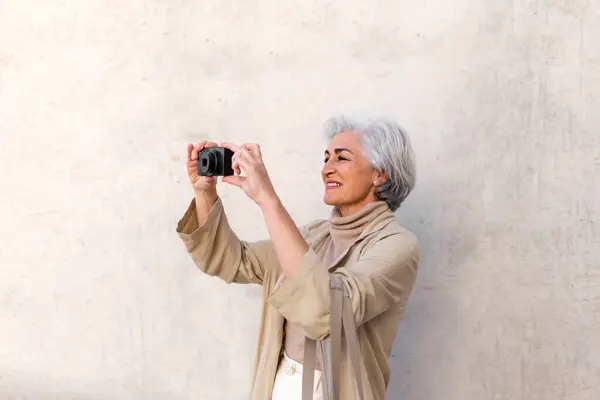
point(379, 177)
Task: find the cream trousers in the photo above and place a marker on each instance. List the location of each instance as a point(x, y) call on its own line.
point(288, 381)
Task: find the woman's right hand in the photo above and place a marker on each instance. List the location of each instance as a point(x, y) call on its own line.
point(199, 183)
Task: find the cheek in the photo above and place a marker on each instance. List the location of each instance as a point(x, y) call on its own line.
point(358, 188)
point(359, 183)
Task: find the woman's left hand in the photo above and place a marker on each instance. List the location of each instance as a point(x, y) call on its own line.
point(256, 182)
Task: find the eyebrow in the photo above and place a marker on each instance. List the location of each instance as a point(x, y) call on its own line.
point(339, 150)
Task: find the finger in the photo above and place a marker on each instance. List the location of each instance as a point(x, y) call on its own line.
point(231, 147)
point(235, 166)
point(234, 180)
point(238, 163)
point(196, 149)
point(235, 161)
point(253, 148)
point(249, 156)
point(202, 145)
point(244, 154)
point(190, 148)
point(248, 160)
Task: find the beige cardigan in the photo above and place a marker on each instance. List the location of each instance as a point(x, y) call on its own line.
point(379, 270)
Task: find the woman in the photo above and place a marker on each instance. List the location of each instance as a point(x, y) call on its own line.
point(368, 171)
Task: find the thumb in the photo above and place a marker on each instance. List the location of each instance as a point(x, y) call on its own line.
point(234, 180)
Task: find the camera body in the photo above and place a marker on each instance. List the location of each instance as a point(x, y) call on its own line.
point(215, 161)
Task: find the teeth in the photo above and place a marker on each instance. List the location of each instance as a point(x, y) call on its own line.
point(333, 184)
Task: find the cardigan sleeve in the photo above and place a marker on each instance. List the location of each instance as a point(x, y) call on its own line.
point(217, 251)
point(382, 277)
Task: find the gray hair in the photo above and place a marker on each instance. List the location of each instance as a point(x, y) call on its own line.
point(388, 149)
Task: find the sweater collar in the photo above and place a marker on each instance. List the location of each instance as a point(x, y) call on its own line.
point(348, 229)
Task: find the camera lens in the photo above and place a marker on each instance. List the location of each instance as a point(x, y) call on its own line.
point(208, 163)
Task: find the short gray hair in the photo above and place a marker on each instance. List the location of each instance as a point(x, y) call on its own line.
point(388, 149)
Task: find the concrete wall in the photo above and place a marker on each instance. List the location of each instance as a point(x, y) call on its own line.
point(98, 100)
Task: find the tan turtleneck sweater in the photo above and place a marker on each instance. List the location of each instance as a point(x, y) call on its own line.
point(343, 231)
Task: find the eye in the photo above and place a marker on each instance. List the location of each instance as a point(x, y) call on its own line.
point(340, 158)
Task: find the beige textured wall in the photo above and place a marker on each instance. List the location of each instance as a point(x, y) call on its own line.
point(99, 98)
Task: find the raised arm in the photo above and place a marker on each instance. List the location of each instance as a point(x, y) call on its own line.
point(208, 238)
point(288, 241)
point(217, 251)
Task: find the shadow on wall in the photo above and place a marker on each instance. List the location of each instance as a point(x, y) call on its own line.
point(422, 352)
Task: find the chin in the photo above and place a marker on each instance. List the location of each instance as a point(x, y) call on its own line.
point(331, 201)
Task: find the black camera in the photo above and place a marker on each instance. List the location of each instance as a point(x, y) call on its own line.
point(215, 161)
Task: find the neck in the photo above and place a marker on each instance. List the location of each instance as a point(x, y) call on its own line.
point(346, 229)
point(349, 209)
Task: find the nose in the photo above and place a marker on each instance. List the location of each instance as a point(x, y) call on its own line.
point(327, 169)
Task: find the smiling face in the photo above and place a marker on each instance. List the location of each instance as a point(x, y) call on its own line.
point(349, 178)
